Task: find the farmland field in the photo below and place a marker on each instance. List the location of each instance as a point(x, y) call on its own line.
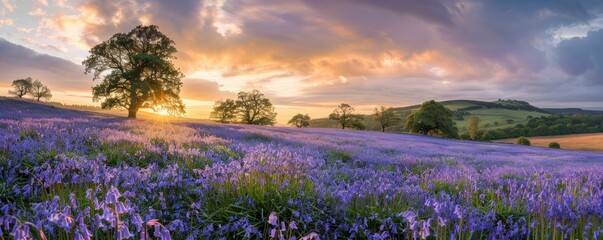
point(70, 174)
point(586, 142)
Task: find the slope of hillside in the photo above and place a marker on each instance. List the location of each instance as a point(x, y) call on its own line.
point(493, 115)
point(572, 111)
point(194, 180)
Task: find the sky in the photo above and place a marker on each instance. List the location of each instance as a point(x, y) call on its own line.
point(308, 56)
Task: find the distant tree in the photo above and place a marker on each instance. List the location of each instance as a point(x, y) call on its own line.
point(343, 115)
point(523, 141)
point(39, 90)
point(356, 122)
point(137, 72)
point(473, 127)
point(300, 120)
point(21, 87)
point(385, 117)
point(554, 145)
point(509, 121)
point(224, 111)
point(254, 108)
point(432, 119)
point(486, 136)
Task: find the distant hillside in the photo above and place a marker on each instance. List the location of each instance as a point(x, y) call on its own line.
point(493, 115)
point(572, 111)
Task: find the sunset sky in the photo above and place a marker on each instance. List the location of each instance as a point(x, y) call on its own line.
point(308, 56)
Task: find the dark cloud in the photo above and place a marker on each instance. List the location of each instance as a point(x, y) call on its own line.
point(18, 62)
point(581, 57)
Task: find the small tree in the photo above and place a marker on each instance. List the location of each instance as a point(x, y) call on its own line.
point(343, 115)
point(225, 111)
point(432, 119)
point(254, 108)
point(523, 141)
point(385, 117)
point(554, 145)
point(39, 90)
point(473, 127)
point(300, 120)
point(21, 87)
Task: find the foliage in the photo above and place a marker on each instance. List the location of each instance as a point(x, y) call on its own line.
point(137, 72)
point(344, 115)
point(300, 120)
point(432, 119)
point(473, 127)
point(39, 90)
point(21, 87)
point(385, 117)
point(552, 125)
point(255, 109)
point(224, 111)
point(523, 141)
point(554, 145)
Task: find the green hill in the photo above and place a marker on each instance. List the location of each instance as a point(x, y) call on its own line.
point(493, 115)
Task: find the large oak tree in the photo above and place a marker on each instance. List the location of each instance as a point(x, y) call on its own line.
point(137, 72)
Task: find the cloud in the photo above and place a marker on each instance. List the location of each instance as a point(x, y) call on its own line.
point(42, 45)
point(6, 22)
point(19, 62)
point(203, 90)
point(37, 12)
point(318, 52)
point(581, 57)
point(8, 5)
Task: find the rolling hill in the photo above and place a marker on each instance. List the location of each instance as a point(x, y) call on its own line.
point(493, 115)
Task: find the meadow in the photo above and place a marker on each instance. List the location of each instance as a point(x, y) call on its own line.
point(66, 174)
point(583, 142)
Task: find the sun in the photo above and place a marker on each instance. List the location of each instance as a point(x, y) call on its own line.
point(162, 111)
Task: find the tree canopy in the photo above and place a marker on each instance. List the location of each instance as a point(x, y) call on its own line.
point(432, 119)
point(344, 115)
point(385, 117)
point(21, 87)
point(255, 109)
point(300, 120)
point(473, 127)
point(224, 111)
point(39, 91)
point(137, 72)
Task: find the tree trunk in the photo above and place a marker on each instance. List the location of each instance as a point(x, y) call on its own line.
point(132, 113)
point(382, 129)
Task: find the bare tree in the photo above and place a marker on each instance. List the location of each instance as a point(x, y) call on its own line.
point(39, 90)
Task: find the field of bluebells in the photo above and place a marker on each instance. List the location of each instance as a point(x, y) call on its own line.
point(73, 175)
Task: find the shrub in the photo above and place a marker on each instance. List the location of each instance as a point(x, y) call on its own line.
point(523, 141)
point(486, 136)
point(554, 145)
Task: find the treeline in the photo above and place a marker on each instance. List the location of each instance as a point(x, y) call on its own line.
point(558, 124)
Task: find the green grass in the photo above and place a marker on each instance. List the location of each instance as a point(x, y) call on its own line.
point(489, 118)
